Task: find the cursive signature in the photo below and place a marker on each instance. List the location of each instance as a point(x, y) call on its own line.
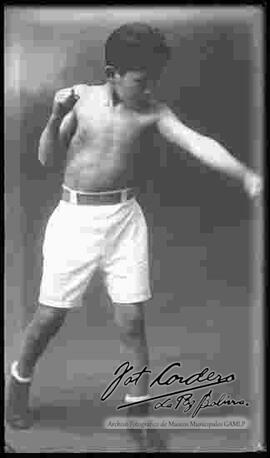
point(166, 377)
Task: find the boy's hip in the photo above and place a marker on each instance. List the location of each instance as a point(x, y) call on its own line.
point(97, 198)
point(93, 224)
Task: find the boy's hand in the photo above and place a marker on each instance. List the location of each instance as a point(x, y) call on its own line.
point(64, 101)
point(253, 184)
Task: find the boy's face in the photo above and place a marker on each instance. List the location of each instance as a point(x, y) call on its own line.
point(133, 86)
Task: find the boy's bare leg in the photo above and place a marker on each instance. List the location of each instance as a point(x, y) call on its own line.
point(130, 319)
point(44, 325)
point(131, 322)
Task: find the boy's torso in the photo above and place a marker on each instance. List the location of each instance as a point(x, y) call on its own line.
point(105, 149)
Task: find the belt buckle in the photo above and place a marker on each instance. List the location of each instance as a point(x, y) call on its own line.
point(73, 197)
point(124, 195)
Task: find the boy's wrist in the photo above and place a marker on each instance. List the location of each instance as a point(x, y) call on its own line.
point(244, 173)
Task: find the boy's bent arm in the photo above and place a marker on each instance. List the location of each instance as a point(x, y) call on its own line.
point(205, 149)
point(61, 126)
point(49, 143)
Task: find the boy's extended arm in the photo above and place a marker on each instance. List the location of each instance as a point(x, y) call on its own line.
point(207, 150)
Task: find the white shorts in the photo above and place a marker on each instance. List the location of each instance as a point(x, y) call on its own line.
point(81, 238)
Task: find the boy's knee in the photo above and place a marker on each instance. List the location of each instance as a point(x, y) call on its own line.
point(132, 330)
point(130, 321)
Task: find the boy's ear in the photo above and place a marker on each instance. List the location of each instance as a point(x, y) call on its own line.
point(110, 71)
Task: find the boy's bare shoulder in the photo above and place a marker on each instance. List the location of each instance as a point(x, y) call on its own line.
point(157, 108)
point(153, 103)
point(87, 89)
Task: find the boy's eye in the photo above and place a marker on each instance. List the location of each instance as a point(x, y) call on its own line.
point(141, 82)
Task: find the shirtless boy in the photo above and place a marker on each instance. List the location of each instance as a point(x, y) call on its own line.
point(98, 223)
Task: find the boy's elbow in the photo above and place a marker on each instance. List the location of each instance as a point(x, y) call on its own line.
point(41, 150)
point(41, 158)
point(43, 162)
point(44, 158)
point(41, 155)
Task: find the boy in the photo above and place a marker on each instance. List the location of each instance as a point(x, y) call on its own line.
point(98, 222)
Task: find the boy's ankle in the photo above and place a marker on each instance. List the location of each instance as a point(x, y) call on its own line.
point(16, 374)
point(130, 398)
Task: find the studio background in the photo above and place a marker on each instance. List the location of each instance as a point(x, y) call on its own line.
point(201, 224)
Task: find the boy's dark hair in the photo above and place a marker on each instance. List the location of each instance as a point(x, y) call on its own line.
point(136, 46)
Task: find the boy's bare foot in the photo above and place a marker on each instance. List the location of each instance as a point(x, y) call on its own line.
point(138, 435)
point(146, 438)
point(155, 440)
point(18, 414)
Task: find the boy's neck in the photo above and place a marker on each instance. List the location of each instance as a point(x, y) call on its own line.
point(114, 99)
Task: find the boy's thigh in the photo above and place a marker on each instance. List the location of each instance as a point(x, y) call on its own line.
point(71, 252)
point(126, 264)
point(48, 312)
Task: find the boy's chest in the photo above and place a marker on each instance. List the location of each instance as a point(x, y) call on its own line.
point(97, 118)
